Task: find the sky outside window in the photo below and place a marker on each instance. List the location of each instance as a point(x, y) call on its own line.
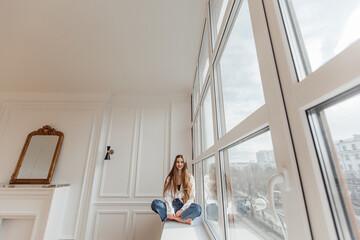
point(204, 57)
point(340, 123)
point(217, 10)
point(324, 27)
point(240, 76)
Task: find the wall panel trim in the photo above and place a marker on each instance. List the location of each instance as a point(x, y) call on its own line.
point(134, 213)
point(165, 153)
point(122, 204)
point(111, 212)
point(132, 157)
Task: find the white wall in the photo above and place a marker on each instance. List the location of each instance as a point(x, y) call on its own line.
point(105, 198)
point(80, 121)
point(146, 134)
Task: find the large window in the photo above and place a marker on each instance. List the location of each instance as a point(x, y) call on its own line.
point(336, 123)
point(237, 74)
point(247, 168)
point(211, 195)
point(195, 96)
point(217, 12)
point(319, 30)
point(207, 120)
point(204, 56)
point(197, 135)
point(198, 183)
point(278, 158)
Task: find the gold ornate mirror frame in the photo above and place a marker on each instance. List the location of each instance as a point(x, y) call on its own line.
point(44, 131)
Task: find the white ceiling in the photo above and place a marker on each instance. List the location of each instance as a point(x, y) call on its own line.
point(138, 47)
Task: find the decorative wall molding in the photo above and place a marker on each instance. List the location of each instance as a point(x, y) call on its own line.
point(125, 228)
point(141, 101)
point(165, 153)
point(92, 110)
point(159, 112)
point(67, 237)
point(54, 97)
point(136, 214)
point(45, 205)
point(122, 204)
point(85, 198)
point(133, 140)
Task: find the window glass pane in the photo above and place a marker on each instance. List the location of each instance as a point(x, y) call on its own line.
point(341, 121)
point(246, 169)
point(207, 121)
point(197, 138)
point(198, 184)
point(210, 196)
point(319, 30)
point(204, 57)
point(217, 11)
point(195, 92)
point(238, 76)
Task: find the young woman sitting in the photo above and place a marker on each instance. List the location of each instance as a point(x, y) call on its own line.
point(179, 195)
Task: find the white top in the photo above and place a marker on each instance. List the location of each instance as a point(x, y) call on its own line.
point(169, 196)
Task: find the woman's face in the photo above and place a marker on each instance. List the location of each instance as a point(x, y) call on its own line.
point(179, 163)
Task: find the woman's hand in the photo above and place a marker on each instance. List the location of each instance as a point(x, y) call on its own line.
point(178, 213)
point(171, 216)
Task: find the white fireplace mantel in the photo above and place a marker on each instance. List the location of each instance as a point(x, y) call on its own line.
point(45, 204)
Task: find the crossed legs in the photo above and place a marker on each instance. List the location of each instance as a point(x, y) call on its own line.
point(193, 211)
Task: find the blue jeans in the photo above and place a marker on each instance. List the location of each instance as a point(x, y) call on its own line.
point(159, 207)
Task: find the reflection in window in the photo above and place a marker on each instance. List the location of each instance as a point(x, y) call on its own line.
point(237, 74)
point(211, 195)
point(198, 183)
point(339, 121)
point(246, 170)
point(315, 41)
point(207, 121)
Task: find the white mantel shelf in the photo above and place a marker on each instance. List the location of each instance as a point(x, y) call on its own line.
point(45, 204)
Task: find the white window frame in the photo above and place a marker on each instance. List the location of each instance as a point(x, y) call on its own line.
point(337, 76)
point(272, 114)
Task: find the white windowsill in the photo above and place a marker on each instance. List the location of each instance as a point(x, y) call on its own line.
point(178, 231)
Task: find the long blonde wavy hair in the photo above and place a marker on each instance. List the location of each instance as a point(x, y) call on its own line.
point(172, 179)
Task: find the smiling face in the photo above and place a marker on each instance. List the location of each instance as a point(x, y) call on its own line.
point(179, 163)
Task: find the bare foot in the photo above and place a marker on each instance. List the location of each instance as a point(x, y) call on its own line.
point(187, 221)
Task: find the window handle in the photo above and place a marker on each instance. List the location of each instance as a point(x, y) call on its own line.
point(273, 181)
point(280, 178)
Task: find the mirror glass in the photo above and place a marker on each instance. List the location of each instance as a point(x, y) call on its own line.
point(38, 158)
